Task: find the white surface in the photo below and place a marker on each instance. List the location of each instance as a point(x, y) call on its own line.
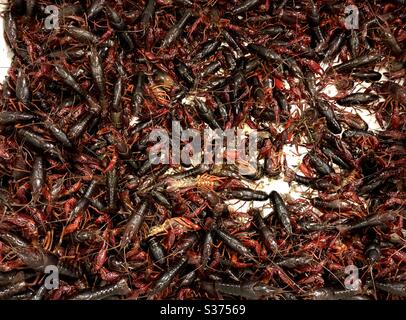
point(5, 53)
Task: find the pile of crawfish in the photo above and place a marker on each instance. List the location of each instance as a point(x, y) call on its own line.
point(80, 197)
